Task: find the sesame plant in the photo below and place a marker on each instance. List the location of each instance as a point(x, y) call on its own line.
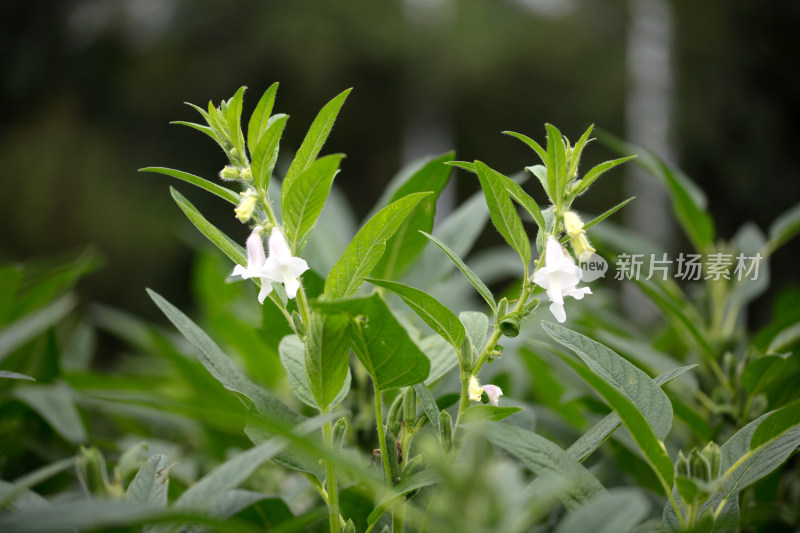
point(460, 408)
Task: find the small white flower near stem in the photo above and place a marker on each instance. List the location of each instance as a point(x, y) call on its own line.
point(476, 391)
point(255, 262)
point(281, 266)
point(559, 277)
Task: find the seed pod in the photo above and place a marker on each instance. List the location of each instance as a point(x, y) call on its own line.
point(339, 432)
point(349, 527)
point(395, 415)
point(445, 431)
point(410, 406)
point(391, 455)
point(509, 326)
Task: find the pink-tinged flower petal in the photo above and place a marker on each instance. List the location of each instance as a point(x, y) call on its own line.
point(278, 247)
point(255, 249)
point(266, 289)
point(493, 392)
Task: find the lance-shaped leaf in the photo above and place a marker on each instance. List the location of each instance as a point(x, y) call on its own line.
point(620, 373)
point(405, 245)
point(326, 358)
point(536, 147)
point(556, 164)
point(473, 278)
point(233, 120)
point(303, 200)
point(598, 171)
point(414, 482)
point(32, 324)
point(784, 228)
point(315, 138)
point(441, 319)
point(381, 343)
point(619, 510)
point(260, 118)
point(577, 151)
point(367, 247)
point(643, 407)
point(504, 216)
point(265, 152)
point(546, 459)
point(607, 213)
point(213, 188)
point(758, 448)
point(224, 370)
point(55, 404)
point(151, 482)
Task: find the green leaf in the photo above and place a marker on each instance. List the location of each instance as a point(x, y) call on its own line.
point(760, 372)
point(476, 325)
point(641, 404)
point(213, 188)
point(617, 371)
point(265, 152)
point(151, 482)
point(315, 138)
point(480, 286)
point(291, 351)
point(326, 358)
point(608, 213)
point(525, 200)
point(234, 471)
point(556, 164)
point(304, 198)
point(11, 491)
point(199, 127)
point(477, 413)
point(752, 453)
point(598, 171)
point(233, 119)
point(428, 404)
point(590, 441)
point(407, 243)
point(33, 324)
point(577, 151)
point(15, 375)
point(56, 405)
point(441, 355)
point(260, 117)
point(784, 228)
point(502, 211)
point(227, 373)
point(436, 315)
point(234, 252)
point(415, 482)
point(618, 511)
point(546, 459)
point(367, 247)
point(381, 343)
point(688, 201)
point(541, 152)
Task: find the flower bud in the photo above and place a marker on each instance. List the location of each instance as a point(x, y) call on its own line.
point(92, 474)
point(229, 173)
point(339, 432)
point(502, 307)
point(349, 527)
point(247, 205)
point(712, 454)
point(246, 174)
point(413, 466)
point(297, 321)
point(701, 468)
point(682, 465)
point(577, 235)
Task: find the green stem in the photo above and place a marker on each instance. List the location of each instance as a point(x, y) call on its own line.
point(381, 437)
point(330, 474)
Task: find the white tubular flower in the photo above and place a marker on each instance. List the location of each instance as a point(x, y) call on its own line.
point(476, 391)
point(281, 266)
point(559, 277)
point(255, 262)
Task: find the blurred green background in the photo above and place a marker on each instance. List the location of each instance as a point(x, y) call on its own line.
point(89, 88)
